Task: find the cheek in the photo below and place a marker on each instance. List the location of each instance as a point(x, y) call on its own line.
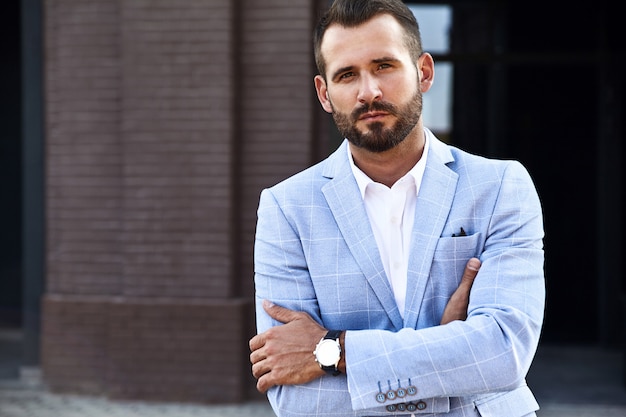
point(342, 100)
point(400, 89)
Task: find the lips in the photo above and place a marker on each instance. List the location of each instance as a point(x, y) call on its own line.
point(373, 115)
point(374, 111)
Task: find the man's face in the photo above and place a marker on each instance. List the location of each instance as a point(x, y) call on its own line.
point(372, 86)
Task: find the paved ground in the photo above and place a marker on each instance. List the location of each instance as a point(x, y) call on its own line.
point(23, 403)
point(571, 381)
point(29, 403)
point(568, 382)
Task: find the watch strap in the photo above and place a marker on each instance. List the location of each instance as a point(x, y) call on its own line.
point(333, 334)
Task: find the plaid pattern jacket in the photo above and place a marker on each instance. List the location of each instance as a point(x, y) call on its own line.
point(315, 252)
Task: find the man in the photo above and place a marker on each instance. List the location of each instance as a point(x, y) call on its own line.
point(359, 259)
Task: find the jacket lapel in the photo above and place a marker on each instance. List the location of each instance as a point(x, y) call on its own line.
point(344, 200)
point(431, 211)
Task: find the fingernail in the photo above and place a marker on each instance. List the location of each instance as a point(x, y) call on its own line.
point(268, 304)
point(473, 264)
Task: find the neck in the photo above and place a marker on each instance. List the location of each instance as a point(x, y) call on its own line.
point(389, 166)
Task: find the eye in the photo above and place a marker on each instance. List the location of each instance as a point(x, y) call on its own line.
point(346, 75)
point(384, 66)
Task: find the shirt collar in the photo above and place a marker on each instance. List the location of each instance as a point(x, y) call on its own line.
point(417, 172)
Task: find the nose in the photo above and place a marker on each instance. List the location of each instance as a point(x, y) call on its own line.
point(369, 89)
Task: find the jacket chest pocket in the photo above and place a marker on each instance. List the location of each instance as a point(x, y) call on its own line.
point(451, 248)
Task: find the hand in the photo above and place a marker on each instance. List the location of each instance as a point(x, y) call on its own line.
point(456, 309)
point(283, 355)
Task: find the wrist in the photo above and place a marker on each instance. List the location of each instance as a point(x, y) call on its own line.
point(342, 361)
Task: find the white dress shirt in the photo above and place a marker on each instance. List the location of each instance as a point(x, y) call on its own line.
point(391, 212)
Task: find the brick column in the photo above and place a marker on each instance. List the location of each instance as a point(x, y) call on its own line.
point(140, 300)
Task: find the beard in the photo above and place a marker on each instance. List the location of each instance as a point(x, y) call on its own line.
point(380, 138)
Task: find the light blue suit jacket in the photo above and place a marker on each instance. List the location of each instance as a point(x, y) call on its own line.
point(315, 251)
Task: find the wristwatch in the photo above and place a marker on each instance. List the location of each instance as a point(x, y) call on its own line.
point(328, 352)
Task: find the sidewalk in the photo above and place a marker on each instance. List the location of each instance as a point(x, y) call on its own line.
point(38, 403)
point(32, 403)
point(568, 382)
point(575, 381)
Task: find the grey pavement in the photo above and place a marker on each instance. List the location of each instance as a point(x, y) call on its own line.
point(579, 381)
point(37, 403)
point(569, 381)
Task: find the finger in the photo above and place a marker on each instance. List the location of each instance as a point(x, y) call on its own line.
point(256, 356)
point(264, 383)
point(467, 280)
point(259, 369)
point(471, 270)
point(261, 387)
point(456, 309)
point(256, 342)
point(282, 314)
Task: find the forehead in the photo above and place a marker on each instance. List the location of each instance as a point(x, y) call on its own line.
point(381, 36)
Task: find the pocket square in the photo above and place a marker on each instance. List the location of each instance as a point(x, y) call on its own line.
point(461, 233)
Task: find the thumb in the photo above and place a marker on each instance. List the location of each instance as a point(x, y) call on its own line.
point(282, 314)
point(470, 272)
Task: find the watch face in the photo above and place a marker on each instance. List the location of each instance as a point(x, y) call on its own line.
point(328, 352)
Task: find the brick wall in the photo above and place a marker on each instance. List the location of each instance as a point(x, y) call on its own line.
point(285, 128)
point(164, 121)
point(83, 150)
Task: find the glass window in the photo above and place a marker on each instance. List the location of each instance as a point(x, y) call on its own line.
point(435, 23)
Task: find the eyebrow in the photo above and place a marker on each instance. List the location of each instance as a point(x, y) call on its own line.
point(374, 61)
point(341, 71)
point(385, 59)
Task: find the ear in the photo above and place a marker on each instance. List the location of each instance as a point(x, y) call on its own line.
point(426, 71)
point(322, 93)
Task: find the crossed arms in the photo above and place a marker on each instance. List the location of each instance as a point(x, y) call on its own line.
point(282, 355)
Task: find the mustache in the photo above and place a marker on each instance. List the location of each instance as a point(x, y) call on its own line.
point(374, 106)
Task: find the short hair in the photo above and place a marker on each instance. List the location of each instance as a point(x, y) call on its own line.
point(351, 13)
